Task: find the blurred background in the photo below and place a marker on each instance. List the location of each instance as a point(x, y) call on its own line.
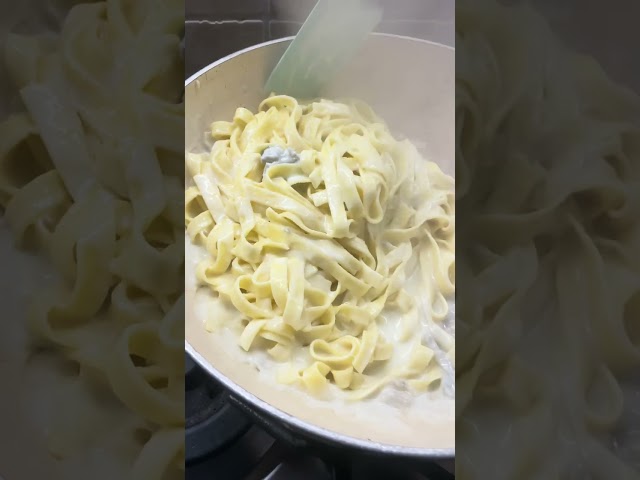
point(606, 31)
point(215, 28)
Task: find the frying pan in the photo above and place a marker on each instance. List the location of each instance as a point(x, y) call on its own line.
point(410, 83)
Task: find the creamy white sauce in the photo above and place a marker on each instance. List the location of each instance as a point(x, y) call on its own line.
point(391, 401)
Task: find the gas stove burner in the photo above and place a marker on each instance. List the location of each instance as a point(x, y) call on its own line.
point(211, 422)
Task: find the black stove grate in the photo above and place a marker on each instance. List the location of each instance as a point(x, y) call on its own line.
point(211, 423)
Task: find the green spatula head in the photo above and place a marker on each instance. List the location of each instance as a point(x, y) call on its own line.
point(332, 34)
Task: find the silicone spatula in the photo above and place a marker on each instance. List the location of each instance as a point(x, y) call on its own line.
point(332, 34)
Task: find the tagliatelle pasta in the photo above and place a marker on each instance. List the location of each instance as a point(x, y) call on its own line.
point(88, 173)
point(316, 250)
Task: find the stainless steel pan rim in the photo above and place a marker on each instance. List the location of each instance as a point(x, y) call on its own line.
point(290, 420)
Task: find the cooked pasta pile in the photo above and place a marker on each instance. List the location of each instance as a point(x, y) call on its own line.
point(314, 252)
point(548, 178)
point(91, 173)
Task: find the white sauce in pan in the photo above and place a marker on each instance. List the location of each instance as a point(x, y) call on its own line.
point(392, 400)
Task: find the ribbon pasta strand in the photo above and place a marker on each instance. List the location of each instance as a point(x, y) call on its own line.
point(312, 253)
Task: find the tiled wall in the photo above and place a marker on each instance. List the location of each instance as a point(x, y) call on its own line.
point(215, 28)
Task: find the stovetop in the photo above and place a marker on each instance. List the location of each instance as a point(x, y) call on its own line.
point(223, 443)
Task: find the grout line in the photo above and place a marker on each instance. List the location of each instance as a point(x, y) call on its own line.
point(224, 22)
